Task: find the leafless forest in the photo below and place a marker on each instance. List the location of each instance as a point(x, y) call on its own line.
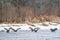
point(19, 11)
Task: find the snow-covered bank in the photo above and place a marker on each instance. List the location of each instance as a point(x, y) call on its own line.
point(26, 26)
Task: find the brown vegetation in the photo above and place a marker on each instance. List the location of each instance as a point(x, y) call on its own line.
point(44, 24)
point(25, 14)
point(44, 18)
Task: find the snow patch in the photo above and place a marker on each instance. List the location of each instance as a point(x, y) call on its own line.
point(26, 26)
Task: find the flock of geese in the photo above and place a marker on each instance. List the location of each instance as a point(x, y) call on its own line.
point(7, 30)
point(32, 29)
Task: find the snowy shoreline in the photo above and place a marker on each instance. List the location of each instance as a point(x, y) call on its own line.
point(26, 26)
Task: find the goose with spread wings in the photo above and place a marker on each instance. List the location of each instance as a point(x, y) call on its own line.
point(35, 29)
point(16, 29)
point(7, 30)
point(53, 30)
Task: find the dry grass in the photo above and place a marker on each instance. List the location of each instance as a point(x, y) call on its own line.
point(19, 20)
point(44, 18)
point(54, 19)
point(33, 20)
point(29, 23)
point(44, 24)
point(37, 19)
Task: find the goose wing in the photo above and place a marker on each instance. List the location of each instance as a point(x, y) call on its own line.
point(5, 28)
point(31, 28)
point(37, 28)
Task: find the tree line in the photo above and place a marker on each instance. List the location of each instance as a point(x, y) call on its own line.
point(17, 10)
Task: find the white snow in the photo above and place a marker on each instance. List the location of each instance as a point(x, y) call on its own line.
point(42, 34)
point(26, 26)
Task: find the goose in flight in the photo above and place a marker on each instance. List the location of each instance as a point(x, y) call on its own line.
point(7, 30)
point(35, 29)
point(16, 29)
point(53, 30)
point(31, 28)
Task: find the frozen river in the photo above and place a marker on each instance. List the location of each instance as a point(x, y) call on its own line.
point(29, 35)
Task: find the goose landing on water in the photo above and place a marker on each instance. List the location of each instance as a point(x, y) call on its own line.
point(35, 29)
point(16, 29)
point(53, 30)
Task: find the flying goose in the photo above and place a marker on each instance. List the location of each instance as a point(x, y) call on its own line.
point(35, 29)
point(31, 28)
point(7, 30)
point(53, 30)
point(16, 29)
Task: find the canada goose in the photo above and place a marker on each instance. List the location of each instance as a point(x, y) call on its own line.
point(7, 30)
point(31, 28)
point(16, 29)
point(53, 30)
point(35, 29)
